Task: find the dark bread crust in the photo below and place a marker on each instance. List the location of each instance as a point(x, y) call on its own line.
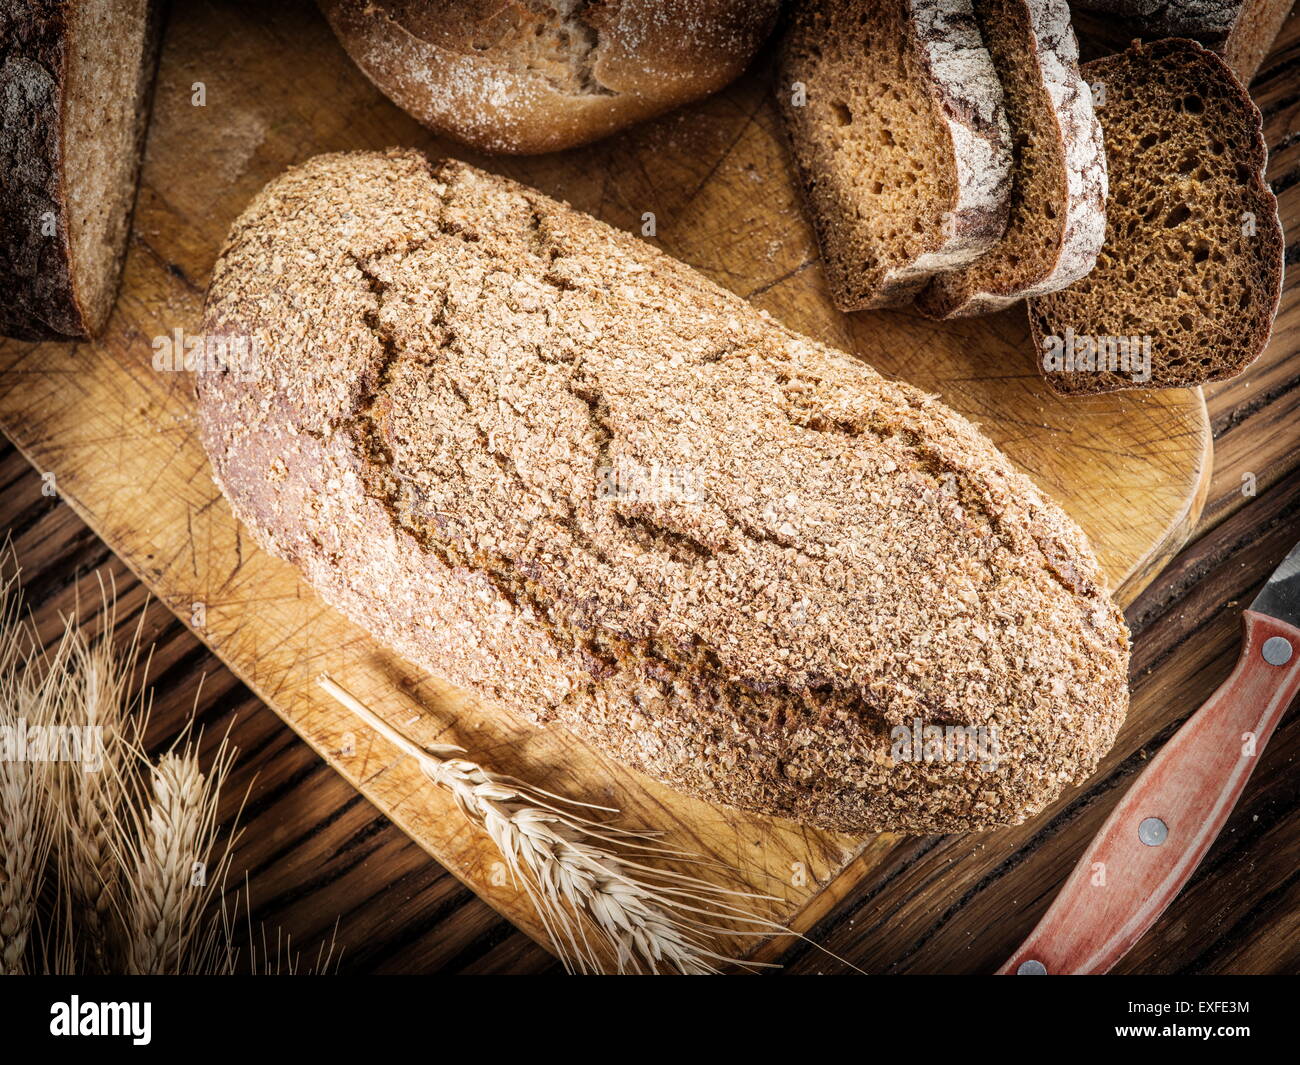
point(37, 301)
point(40, 293)
point(425, 429)
point(1133, 293)
point(521, 76)
point(1241, 31)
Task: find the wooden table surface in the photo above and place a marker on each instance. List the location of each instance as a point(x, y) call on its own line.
point(321, 862)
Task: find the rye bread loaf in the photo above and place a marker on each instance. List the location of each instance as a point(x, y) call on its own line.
point(1241, 31)
point(896, 124)
point(1058, 188)
point(74, 89)
point(553, 465)
point(525, 76)
point(1189, 278)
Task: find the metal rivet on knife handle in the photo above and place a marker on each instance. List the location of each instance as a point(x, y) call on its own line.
point(1277, 650)
point(1153, 832)
point(1031, 968)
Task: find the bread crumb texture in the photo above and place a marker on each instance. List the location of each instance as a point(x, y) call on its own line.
point(450, 364)
point(1193, 257)
point(902, 143)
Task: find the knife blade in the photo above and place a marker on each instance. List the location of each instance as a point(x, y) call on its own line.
point(1280, 597)
point(1165, 823)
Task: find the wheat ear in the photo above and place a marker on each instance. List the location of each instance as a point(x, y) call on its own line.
point(169, 879)
point(31, 689)
point(94, 795)
point(603, 907)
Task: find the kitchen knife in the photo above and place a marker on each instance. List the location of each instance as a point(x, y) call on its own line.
point(1158, 834)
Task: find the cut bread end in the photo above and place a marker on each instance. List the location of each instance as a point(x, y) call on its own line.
point(68, 215)
point(107, 62)
point(1189, 278)
point(897, 128)
point(1057, 213)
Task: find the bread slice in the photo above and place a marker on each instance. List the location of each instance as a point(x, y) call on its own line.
point(547, 462)
point(523, 76)
point(898, 131)
point(1058, 187)
point(1241, 31)
point(74, 87)
point(1188, 282)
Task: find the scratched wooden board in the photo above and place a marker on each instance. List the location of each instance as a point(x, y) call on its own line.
point(120, 439)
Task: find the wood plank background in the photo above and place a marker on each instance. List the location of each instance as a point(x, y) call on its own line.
point(318, 856)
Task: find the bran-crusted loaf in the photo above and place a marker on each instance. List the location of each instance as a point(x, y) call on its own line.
point(1189, 278)
point(524, 76)
point(74, 89)
point(897, 128)
point(1241, 31)
point(1058, 187)
point(551, 464)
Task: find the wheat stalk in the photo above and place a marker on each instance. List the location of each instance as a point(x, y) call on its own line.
point(601, 905)
point(128, 835)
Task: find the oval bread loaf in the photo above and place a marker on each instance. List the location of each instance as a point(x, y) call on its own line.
point(551, 464)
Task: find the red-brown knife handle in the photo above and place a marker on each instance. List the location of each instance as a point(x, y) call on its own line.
point(1123, 884)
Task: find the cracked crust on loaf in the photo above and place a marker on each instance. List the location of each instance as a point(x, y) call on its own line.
point(550, 464)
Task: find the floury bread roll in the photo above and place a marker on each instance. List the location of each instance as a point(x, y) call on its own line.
point(525, 76)
point(551, 464)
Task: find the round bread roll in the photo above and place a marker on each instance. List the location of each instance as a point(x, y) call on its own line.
point(528, 76)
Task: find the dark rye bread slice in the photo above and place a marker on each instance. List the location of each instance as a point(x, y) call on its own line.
point(1188, 282)
point(896, 124)
point(1241, 31)
point(547, 462)
point(1058, 188)
point(74, 85)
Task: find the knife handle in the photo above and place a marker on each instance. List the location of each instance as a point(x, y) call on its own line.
point(1157, 835)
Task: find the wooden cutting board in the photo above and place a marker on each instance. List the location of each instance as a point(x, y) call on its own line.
point(116, 438)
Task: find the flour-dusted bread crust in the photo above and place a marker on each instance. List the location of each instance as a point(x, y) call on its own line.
point(1241, 31)
point(74, 87)
point(897, 127)
point(547, 462)
point(1058, 193)
point(1189, 278)
point(524, 76)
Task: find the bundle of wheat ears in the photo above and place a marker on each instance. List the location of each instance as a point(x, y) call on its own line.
point(109, 861)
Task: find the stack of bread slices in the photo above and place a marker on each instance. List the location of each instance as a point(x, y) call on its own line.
point(955, 154)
